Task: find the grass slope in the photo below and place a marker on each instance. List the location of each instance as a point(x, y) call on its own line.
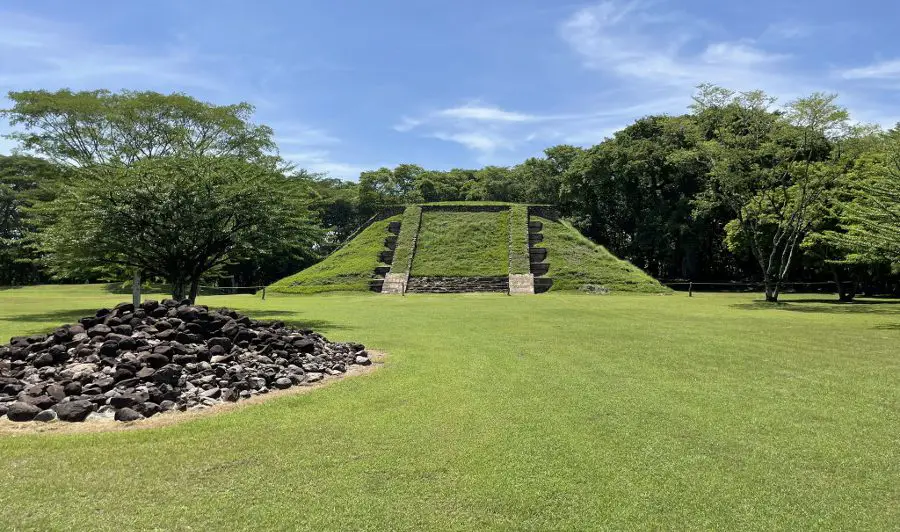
point(457, 244)
point(644, 412)
point(409, 228)
point(349, 268)
point(576, 261)
point(519, 259)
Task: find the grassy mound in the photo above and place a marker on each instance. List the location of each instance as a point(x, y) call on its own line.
point(454, 244)
point(347, 269)
point(576, 262)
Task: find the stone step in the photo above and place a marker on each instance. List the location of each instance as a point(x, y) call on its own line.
point(375, 285)
point(535, 227)
point(386, 257)
point(390, 242)
point(382, 270)
point(534, 238)
point(538, 254)
point(542, 284)
point(394, 227)
point(540, 268)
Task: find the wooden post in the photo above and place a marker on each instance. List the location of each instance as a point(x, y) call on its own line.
point(264, 293)
point(136, 289)
point(691, 289)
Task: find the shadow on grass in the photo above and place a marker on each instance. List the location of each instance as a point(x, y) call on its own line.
point(291, 319)
point(827, 306)
point(61, 316)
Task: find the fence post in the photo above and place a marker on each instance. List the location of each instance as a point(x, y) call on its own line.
point(136, 288)
point(264, 293)
point(691, 289)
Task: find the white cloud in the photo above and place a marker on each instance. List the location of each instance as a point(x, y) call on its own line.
point(42, 53)
point(731, 53)
point(322, 161)
point(631, 41)
point(884, 70)
point(483, 113)
point(495, 134)
point(485, 142)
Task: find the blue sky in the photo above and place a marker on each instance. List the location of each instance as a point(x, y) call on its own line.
point(353, 85)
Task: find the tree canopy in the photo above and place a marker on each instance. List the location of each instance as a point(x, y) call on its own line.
point(172, 217)
point(102, 127)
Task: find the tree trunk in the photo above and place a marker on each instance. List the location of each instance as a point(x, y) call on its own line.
point(772, 289)
point(846, 289)
point(178, 286)
point(195, 288)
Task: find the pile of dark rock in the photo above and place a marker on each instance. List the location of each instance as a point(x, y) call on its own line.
point(129, 363)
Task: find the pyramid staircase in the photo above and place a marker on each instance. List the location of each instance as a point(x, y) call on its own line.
point(538, 257)
point(401, 282)
point(386, 256)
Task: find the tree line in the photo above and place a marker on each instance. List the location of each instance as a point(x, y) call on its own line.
point(739, 188)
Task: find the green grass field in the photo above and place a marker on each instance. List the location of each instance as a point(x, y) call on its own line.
point(562, 411)
point(463, 244)
point(347, 269)
point(575, 261)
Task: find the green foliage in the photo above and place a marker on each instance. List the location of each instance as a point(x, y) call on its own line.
point(103, 127)
point(633, 192)
point(175, 218)
point(871, 218)
point(348, 269)
point(455, 244)
point(519, 259)
point(772, 169)
point(409, 229)
point(575, 262)
point(23, 180)
point(383, 187)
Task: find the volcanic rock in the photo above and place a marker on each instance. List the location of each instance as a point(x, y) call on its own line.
point(132, 363)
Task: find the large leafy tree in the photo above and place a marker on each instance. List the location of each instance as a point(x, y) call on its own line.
point(771, 168)
point(161, 184)
point(176, 218)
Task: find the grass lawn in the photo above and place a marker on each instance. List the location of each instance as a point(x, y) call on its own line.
point(462, 244)
point(560, 411)
point(349, 268)
point(576, 261)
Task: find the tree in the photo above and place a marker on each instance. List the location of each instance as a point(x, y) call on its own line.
point(384, 187)
point(871, 219)
point(102, 135)
point(771, 168)
point(23, 180)
point(173, 217)
point(101, 127)
point(634, 192)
